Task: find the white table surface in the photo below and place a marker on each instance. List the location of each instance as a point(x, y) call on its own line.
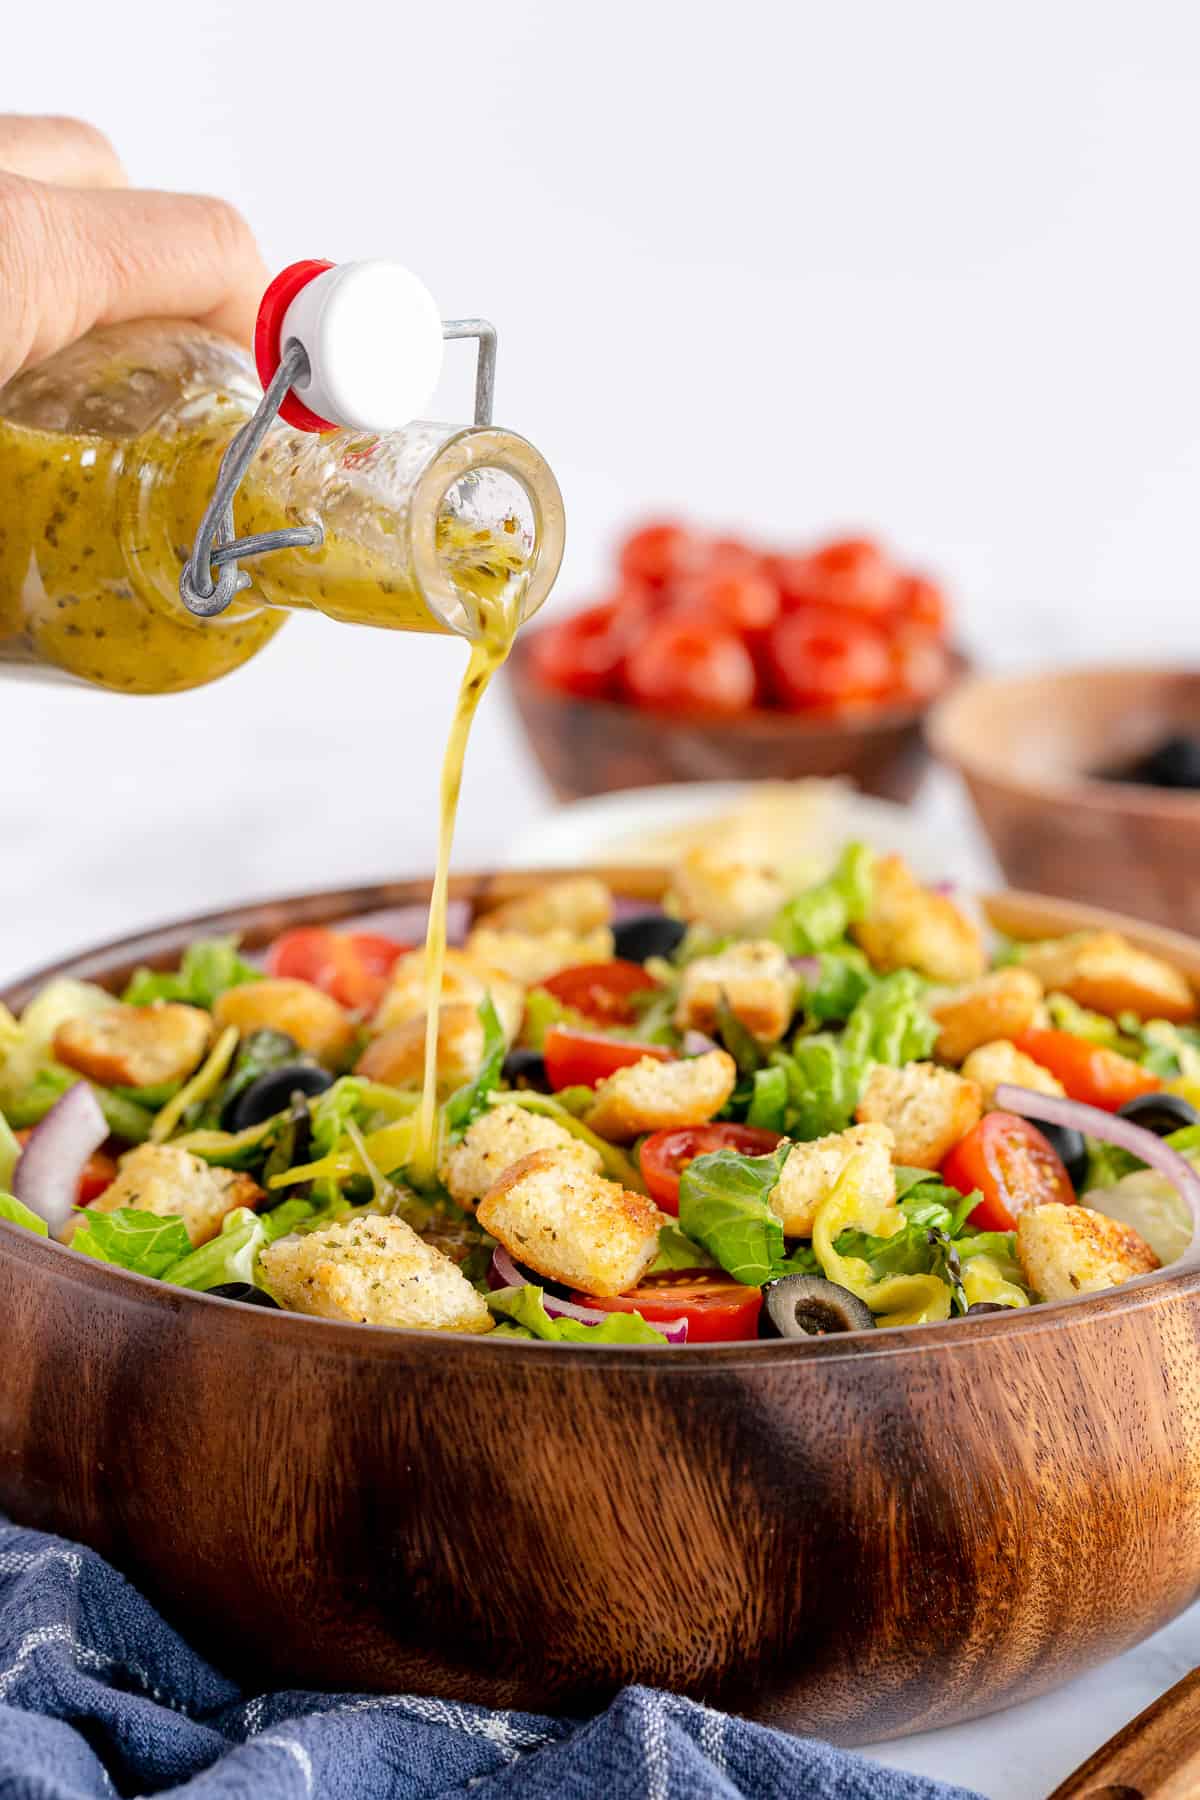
point(318, 765)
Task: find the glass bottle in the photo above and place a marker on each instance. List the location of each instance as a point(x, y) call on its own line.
point(108, 456)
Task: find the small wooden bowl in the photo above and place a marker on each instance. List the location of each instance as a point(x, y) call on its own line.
point(596, 746)
point(857, 1536)
point(1029, 748)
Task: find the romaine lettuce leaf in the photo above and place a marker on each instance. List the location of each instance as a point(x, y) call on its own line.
point(12, 1210)
point(675, 1251)
point(145, 1242)
point(26, 1045)
point(817, 918)
point(843, 978)
point(769, 1100)
point(208, 967)
point(472, 1099)
point(231, 1256)
point(10, 1150)
point(30, 1105)
point(926, 1200)
point(724, 1205)
point(524, 1314)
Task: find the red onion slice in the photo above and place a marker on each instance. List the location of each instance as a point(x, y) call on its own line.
point(808, 968)
point(505, 1273)
point(698, 1043)
point(1110, 1128)
point(46, 1178)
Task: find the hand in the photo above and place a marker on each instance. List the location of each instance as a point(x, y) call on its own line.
point(79, 247)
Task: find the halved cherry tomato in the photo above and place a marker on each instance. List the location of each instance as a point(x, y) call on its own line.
point(1089, 1072)
point(691, 665)
point(819, 658)
point(99, 1172)
point(582, 1058)
point(717, 1310)
point(1013, 1166)
point(351, 966)
point(586, 653)
point(602, 991)
point(664, 1155)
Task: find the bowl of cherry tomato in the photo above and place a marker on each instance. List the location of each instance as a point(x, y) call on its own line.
point(713, 658)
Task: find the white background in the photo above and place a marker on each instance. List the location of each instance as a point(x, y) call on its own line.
point(929, 268)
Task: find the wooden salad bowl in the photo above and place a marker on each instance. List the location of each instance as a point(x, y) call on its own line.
point(859, 1536)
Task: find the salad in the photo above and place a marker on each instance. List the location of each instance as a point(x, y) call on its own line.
point(749, 1112)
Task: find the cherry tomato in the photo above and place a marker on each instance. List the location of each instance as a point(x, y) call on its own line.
point(664, 1155)
point(585, 654)
point(602, 991)
point(582, 1058)
point(921, 602)
point(1012, 1165)
point(717, 1310)
point(655, 553)
point(738, 596)
point(849, 572)
point(819, 659)
point(1089, 1072)
point(691, 665)
point(99, 1172)
point(352, 967)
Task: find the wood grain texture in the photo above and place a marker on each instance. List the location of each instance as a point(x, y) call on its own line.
point(597, 746)
point(1156, 1756)
point(858, 1536)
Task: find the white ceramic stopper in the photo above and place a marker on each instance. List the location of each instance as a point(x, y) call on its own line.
point(373, 335)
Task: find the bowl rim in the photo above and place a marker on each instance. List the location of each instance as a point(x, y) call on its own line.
point(759, 721)
point(1004, 908)
point(953, 741)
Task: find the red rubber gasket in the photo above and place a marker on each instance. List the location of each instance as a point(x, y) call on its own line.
point(268, 351)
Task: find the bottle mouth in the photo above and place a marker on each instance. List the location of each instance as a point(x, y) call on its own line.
point(488, 526)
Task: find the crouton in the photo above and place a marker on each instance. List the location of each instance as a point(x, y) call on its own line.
point(909, 927)
point(1000, 1005)
point(652, 1095)
point(163, 1179)
point(397, 1057)
point(1002, 1061)
point(375, 1271)
point(464, 979)
point(710, 889)
point(499, 1138)
point(812, 1169)
point(530, 959)
point(579, 904)
point(756, 980)
point(571, 1225)
point(1066, 1250)
point(281, 1003)
point(135, 1046)
point(926, 1108)
point(1104, 971)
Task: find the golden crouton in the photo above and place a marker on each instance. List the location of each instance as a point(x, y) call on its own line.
point(1066, 1250)
point(135, 1046)
point(754, 978)
point(652, 1095)
point(1002, 1061)
point(579, 903)
point(397, 1057)
point(571, 1225)
point(163, 1179)
point(281, 1003)
point(499, 1138)
point(710, 889)
point(531, 959)
point(927, 1109)
point(812, 1170)
point(464, 979)
point(909, 927)
point(1104, 971)
point(375, 1271)
point(1000, 1005)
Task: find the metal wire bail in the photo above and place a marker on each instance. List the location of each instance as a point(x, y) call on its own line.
point(217, 549)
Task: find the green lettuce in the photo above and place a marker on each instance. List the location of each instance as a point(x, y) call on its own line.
point(820, 916)
point(823, 1085)
point(675, 1251)
point(10, 1150)
point(125, 1119)
point(843, 977)
point(207, 969)
point(542, 1010)
point(890, 1023)
point(145, 1242)
point(471, 1100)
point(925, 1199)
point(769, 1100)
point(258, 1053)
point(524, 1314)
point(617, 1165)
point(724, 1205)
point(12, 1210)
point(1108, 1164)
point(826, 1071)
point(231, 1256)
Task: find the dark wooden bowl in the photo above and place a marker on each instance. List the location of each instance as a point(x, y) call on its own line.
point(1029, 748)
point(595, 746)
point(857, 1536)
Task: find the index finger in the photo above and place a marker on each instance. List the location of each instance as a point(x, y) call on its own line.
point(65, 152)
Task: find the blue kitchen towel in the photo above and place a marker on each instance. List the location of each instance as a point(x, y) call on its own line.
point(99, 1697)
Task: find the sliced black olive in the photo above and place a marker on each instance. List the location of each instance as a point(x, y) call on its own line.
point(1160, 1113)
point(987, 1306)
point(809, 1306)
point(244, 1291)
point(1071, 1148)
point(271, 1093)
point(647, 934)
point(526, 1069)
